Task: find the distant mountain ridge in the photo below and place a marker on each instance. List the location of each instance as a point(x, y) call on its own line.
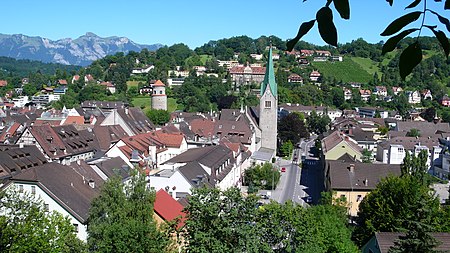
point(81, 51)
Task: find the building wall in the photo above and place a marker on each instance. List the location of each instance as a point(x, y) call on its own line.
point(268, 119)
point(340, 150)
point(114, 119)
point(159, 98)
point(396, 154)
point(53, 206)
point(353, 199)
point(179, 181)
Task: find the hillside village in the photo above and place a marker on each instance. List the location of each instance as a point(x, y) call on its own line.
point(64, 150)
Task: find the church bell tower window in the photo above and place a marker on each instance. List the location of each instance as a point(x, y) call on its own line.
point(268, 104)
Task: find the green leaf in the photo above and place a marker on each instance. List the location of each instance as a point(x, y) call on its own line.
point(392, 42)
point(409, 59)
point(343, 7)
point(443, 20)
point(390, 2)
point(304, 29)
point(440, 35)
point(401, 22)
point(327, 30)
point(413, 4)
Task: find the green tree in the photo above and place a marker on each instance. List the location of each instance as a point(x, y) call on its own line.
point(413, 132)
point(121, 219)
point(158, 117)
point(366, 156)
point(317, 124)
point(25, 226)
point(292, 128)
point(287, 148)
point(222, 222)
point(394, 201)
point(262, 177)
point(383, 130)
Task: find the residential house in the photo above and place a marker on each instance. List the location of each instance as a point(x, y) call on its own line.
point(347, 94)
point(132, 120)
point(315, 76)
point(323, 53)
point(295, 78)
point(337, 144)
point(441, 165)
point(103, 105)
point(382, 242)
point(380, 91)
point(20, 101)
point(257, 57)
point(15, 159)
point(61, 144)
point(307, 110)
point(371, 112)
point(426, 129)
point(355, 85)
point(227, 64)
point(413, 97)
point(352, 180)
point(143, 70)
point(393, 151)
point(397, 90)
point(62, 189)
point(210, 166)
point(306, 53)
point(109, 86)
point(365, 95)
point(445, 101)
point(10, 133)
point(244, 75)
point(426, 94)
point(3, 83)
point(337, 58)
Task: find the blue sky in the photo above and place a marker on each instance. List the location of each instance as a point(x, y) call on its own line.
point(193, 22)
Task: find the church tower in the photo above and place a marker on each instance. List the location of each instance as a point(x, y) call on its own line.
point(159, 97)
point(268, 107)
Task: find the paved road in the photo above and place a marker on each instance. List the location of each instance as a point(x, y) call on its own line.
point(297, 183)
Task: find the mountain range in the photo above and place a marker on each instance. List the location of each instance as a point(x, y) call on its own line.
point(81, 51)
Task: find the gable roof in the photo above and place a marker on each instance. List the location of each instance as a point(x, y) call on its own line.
point(168, 208)
point(332, 140)
point(136, 120)
point(385, 240)
point(64, 185)
point(194, 173)
point(427, 129)
point(210, 156)
point(14, 159)
point(365, 176)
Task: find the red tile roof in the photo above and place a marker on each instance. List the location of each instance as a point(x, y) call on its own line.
point(62, 81)
point(9, 132)
point(78, 120)
point(3, 83)
point(254, 70)
point(158, 83)
point(202, 127)
point(168, 208)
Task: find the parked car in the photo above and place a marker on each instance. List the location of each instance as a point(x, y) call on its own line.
point(309, 199)
point(283, 169)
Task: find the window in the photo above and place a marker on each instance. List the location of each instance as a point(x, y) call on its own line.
point(267, 104)
point(75, 227)
point(160, 92)
point(20, 188)
point(33, 189)
point(358, 198)
point(46, 207)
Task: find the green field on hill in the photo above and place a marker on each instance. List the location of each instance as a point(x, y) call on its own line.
point(345, 71)
point(368, 65)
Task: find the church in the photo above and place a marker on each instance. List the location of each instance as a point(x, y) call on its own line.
point(266, 116)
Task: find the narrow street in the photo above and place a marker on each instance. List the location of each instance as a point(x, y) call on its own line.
point(300, 181)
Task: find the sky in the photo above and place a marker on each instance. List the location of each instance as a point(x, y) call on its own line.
point(196, 22)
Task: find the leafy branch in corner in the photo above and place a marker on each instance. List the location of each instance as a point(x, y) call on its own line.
point(409, 58)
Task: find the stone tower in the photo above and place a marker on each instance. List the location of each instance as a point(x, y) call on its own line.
point(268, 107)
point(159, 97)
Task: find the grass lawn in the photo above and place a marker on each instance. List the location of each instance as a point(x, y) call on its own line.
point(347, 71)
point(146, 102)
point(132, 83)
point(368, 65)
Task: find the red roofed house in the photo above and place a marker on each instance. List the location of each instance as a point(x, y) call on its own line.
point(244, 75)
point(305, 52)
point(62, 82)
point(9, 132)
point(323, 53)
point(314, 76)
point(168, 209)
point(295, 78)
point(3, 83)
point(445, 101)
point(365, 94)
point(148, 149)
point(109, 86)
point(73, 120)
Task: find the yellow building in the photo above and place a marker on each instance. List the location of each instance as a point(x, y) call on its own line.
point(351, 180)
point(337, 144)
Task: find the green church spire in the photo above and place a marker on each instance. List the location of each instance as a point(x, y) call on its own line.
point(269, 77)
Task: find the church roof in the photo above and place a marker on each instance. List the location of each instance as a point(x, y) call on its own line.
point(269, 77)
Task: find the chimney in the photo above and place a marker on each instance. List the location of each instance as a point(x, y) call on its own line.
point(92, 183)
point(126, 110)
point(351, 168)
point(79, 162)
point(21, 145)
point(366, 182)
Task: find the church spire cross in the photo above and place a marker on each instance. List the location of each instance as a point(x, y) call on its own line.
point(269, 77)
